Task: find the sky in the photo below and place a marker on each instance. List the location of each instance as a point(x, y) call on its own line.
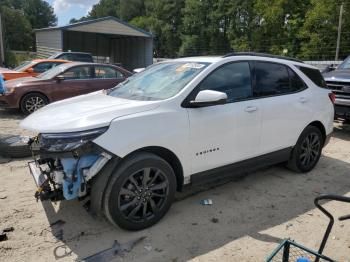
point(67, 9)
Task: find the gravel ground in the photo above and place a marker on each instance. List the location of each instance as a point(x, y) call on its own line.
point(247, 220)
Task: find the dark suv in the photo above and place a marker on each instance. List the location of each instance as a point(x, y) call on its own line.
point(73, 56)
point(339, 81)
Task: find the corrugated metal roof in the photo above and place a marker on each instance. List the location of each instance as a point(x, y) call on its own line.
point(104, 25)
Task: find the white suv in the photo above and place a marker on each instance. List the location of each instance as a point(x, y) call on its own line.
point(188, 120)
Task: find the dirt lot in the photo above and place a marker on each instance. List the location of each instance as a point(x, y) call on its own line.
point(251, 215)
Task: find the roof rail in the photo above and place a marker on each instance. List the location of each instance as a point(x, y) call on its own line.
point(263, 55)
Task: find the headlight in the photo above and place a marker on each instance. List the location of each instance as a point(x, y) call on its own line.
point(65, 142)
point(9, 90)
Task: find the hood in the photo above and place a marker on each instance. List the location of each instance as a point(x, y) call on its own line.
point(337, 75)
point(83, 113)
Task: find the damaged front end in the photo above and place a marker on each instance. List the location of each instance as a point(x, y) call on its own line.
point(64, 163)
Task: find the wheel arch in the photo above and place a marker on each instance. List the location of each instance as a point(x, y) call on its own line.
point(321, 127)
point(33, 92)
point(168, 156)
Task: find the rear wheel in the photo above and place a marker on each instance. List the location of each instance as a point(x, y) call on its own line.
point(140, 192)
point(32, 102)
point(307, 151)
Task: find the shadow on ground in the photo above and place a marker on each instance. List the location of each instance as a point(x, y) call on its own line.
point(246, 207)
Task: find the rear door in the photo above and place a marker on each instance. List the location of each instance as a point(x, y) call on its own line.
point(285, 105)
point(105, 77)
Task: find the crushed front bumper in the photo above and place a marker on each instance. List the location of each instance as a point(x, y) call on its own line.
point(66, 175)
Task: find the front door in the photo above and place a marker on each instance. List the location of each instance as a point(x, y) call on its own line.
point(224, 134)
point(76, 81)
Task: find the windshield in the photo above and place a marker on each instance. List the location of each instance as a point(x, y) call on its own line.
point(23, 66)
point(49, 74)
point(158, 82)
point(345, 64)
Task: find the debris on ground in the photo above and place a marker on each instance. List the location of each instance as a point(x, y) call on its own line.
point(214, 220)
point(148, 247)
point(3, 197)
point(289, 225)
point(116, 249)
point(206, 202)
point(3, 235)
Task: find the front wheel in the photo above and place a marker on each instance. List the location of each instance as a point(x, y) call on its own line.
point(32, 102)
point(140, 192)
point(307, 151)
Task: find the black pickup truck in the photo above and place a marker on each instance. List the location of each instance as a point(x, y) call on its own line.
point(338, 80)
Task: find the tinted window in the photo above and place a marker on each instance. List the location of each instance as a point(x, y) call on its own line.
point(42, 67)
point(314, 75)
point(271, 79)
point(82, 58)
point(105, 72)
point(232, 79)
point(79, 72)
point(296, 83)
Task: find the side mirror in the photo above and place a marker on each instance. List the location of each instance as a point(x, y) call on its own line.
point(209, 98)
point(30, 70)
point(59, 78)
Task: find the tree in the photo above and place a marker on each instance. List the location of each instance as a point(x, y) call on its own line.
point(17, 29)
point(105, 8)
point(39, 13)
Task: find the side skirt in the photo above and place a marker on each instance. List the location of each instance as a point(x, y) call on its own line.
point(241, 168)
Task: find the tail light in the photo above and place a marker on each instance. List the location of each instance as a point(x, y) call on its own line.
point(332, 97)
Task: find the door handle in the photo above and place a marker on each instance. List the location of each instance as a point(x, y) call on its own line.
point(303, 99)
point(250, 109)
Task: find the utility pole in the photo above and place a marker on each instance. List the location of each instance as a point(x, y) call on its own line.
point(2, 53)
point(339, 31)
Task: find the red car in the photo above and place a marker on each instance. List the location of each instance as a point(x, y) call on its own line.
point(63, 81)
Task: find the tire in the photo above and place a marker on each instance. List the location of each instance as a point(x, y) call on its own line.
point(307, 151)
point(132, 205)
point(32, 102)
point(14, 146)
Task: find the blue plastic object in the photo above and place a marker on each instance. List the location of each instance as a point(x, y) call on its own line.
point(2, 84)
point(73, 169)
point(303, 259)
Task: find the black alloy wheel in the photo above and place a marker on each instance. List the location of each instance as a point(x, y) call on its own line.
point(307, 150)
point(142, 194)
point(310, 150)
point(140, 191)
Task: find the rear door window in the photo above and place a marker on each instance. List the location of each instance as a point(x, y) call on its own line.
point(106, 72)
point(271, 79)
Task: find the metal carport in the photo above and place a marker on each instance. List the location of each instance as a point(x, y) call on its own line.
point(108, 39)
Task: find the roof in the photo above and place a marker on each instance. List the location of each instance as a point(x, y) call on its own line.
point(203, 59)
point(262, 55)
point(119, 28)
point(49, 60)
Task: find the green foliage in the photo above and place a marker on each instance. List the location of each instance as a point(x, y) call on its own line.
point(20, 17)
point(39, 13)
point(17, 29)
point(300, 28)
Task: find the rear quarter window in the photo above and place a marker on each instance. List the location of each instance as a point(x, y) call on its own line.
point(314, 75)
